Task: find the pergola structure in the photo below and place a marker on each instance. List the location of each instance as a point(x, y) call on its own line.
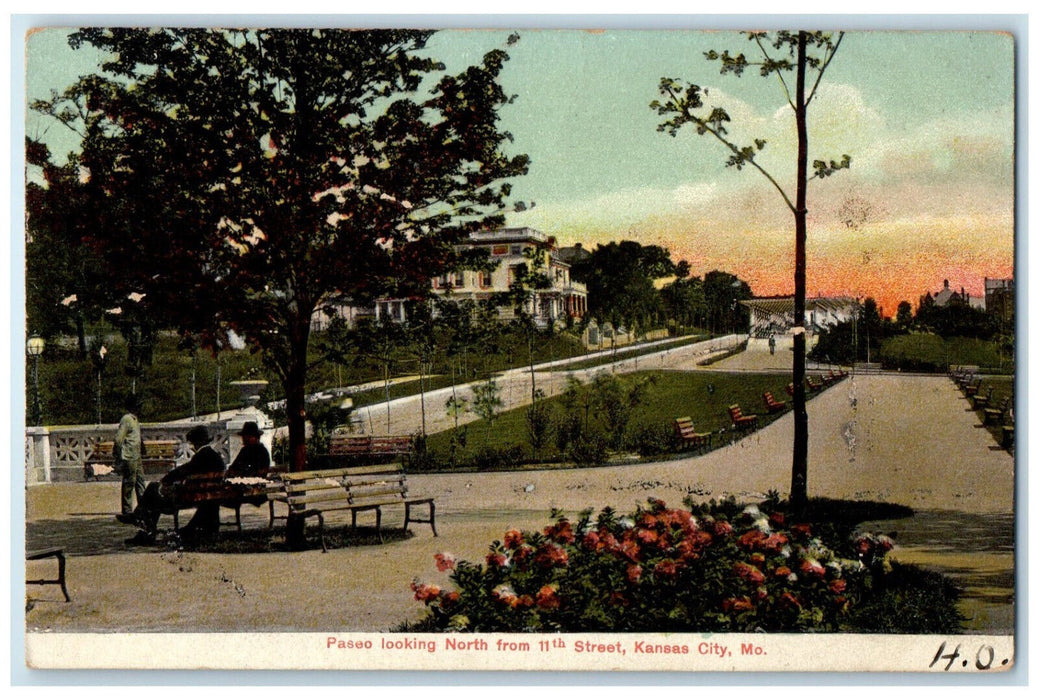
point(775, 315)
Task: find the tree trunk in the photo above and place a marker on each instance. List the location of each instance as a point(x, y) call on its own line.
point(296, 417)
point(799, 470)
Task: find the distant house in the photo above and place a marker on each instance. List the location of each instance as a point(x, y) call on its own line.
point(509, 249)
point(948, 296)
point(775, 315)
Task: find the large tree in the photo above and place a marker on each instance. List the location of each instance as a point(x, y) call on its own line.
point(805, 55)
point(620, 279)
point(248, 175)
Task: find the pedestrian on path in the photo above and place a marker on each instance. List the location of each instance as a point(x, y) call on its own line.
point(127, 451)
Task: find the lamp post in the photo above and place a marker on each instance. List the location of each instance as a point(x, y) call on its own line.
point(34, 348)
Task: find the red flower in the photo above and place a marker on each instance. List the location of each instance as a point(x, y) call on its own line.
point(590, 541)
point(782, 571)
point(751, 539)
point(630, 550)
point(444, 561)
point(524, 601)
point(425, 592)
point(496, 559)
point(776, 519)
point(748, 573)
point(513, 539)
point(722, 528)
point(838, 585)
point(560, 532)
point(801, 530)
point(811, 566)
point(774, 543)
point(740, 604)
point(548, 597)
point(647, 520)
point(647, 537)
point(666, 568)
point(618, 598)
point(551, 554)
point(451, 598)
point(761, 594)
point(789, 600)
point(757, 559)
point(634, 573)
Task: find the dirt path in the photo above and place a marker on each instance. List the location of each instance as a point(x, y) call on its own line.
point(909, 440)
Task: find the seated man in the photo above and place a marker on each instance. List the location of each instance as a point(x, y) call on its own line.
point(159, 494)
point(253, 459)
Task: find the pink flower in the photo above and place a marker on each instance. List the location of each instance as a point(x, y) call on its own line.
point(634, 573)
point(444, 561)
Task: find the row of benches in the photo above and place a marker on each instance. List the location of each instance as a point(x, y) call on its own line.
point(685, 433)
point(1000, 414)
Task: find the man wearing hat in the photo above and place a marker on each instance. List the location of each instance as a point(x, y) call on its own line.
point(158, 495)
point(253, 459)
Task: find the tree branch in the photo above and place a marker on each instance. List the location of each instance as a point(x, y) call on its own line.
point(822, 69)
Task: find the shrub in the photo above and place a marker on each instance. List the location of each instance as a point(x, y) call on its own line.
point(710, 568)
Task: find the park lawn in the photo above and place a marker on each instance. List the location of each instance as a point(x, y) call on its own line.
point(927, 352)
point(704, 396)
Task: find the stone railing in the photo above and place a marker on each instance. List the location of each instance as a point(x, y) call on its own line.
point(58, 453)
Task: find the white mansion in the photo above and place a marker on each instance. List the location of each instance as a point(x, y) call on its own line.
point(507, 248)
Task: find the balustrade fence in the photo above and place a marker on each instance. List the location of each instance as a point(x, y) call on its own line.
point(59, 453)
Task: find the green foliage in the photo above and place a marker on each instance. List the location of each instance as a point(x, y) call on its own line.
point(931, 353)
point(715, 567)
point(581, 420)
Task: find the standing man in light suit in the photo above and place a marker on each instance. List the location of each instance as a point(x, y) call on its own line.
point(127, 453)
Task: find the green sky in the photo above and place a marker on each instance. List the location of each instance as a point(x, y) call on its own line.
point(928, 118)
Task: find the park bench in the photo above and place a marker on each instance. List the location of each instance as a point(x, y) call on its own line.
point(790, 389)
point(960, 372)
point(687, 435)
point(56, 553)
point(354, 489)
point(812, 384)
point(998, 413)
point(982, 400)
point(353, 447)
point(741, 421)
point(1007, 440)
point(198, 489)
point(971, 389)
point(156, 454)
point(771, 404)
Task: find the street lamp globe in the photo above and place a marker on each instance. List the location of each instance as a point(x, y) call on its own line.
point(34, 346)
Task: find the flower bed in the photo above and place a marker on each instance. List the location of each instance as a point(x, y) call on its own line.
point(717, 567)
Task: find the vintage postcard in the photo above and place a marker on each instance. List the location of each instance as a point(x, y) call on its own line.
point(532, 349)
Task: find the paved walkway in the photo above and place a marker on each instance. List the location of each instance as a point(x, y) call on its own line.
point(905, 439)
